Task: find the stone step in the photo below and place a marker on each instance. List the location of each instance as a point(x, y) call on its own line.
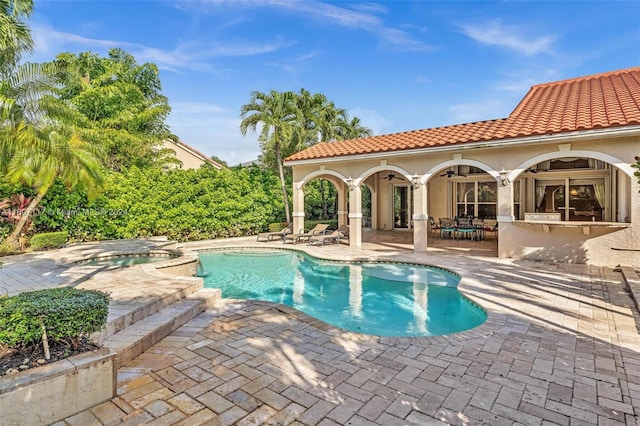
point(149, 296)
point(141, 335)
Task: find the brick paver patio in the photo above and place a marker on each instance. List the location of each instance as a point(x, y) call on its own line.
point(561, 347)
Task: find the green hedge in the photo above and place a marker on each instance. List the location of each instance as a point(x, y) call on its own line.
point(68, 314)
point(48, 240)
point(183, 205)
point(278, 226)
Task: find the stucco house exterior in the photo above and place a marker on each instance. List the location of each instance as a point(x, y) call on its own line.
point(555, 175)
point(190, 157)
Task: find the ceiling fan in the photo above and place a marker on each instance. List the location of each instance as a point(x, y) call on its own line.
point(532, 170)
point(390, 176)
point(450, 173)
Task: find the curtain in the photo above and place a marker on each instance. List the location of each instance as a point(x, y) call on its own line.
point(599, 190)
point(540, 190)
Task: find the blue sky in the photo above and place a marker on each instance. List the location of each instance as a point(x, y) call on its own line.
point(398, 65)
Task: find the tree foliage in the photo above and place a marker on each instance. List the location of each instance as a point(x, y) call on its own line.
point(181, 204)
point(290, 122)
point(116, 103)
point(15, 35)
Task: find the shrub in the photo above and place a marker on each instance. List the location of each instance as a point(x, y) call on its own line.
point(180, 204)
point(67, 314)
point(278, 226)
point(7, 248)
point(49, 240)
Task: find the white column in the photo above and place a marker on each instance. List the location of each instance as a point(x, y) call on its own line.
point(343, 213)
point(298, 208)
point(355, 215)
point(504, 211)
point(420, 218)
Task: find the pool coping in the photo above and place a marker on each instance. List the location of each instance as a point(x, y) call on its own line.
point(496, 317)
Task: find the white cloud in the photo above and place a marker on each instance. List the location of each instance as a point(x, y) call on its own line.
point(372, 119)
point(210, 128)
point(49, 42)
point(472, 112)
point(403, 40)
point(194, 56)
point(360, 16)
point(494, 33)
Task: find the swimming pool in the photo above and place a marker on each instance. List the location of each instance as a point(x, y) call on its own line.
point(383, 299)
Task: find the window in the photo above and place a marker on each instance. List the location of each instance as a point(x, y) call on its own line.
point(574, 199)
point(466, 199)
point(517, 196)
point(402, 195)
point(483, 205)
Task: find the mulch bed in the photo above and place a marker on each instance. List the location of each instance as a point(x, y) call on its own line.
point(13, 361)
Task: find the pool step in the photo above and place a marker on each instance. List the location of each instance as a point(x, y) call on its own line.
point(130, 305)
point(141, 335)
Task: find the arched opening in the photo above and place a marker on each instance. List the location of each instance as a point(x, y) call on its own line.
point(463, 191)
point(387, 197)
point(572, 189)
point(320, 202)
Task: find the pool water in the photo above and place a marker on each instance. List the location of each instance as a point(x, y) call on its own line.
point(383, 299)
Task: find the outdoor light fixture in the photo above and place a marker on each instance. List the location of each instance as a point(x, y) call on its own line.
point(504, 180)
point(350, 183)
point(416, 181)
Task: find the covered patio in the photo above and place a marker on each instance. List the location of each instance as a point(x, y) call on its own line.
point(561, 190)
point(381, 241)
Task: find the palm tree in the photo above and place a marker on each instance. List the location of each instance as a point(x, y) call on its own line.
point(352, 128)
point(15, 35)
point(35, 148)
point(277, 116)
point(60, 154)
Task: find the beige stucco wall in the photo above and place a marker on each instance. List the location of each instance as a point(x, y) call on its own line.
point(594, 245)
point(604, 246)
point(189, 161)
point(50, 393)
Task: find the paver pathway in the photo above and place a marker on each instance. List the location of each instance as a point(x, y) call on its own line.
point(563, 348)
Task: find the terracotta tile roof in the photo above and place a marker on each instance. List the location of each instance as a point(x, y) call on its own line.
point(598, 101)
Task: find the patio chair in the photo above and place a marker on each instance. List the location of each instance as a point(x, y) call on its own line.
point(323, 239)
point(465, 229)
point(447, 227)
point(270, 236)
point(344, 233)
point(493, 229)
point(319, 229)
point(433, 226)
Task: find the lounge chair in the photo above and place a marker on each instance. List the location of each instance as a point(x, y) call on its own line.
point(319, 229)
point(344, 233)
point(270, 236)
point(323, 239)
